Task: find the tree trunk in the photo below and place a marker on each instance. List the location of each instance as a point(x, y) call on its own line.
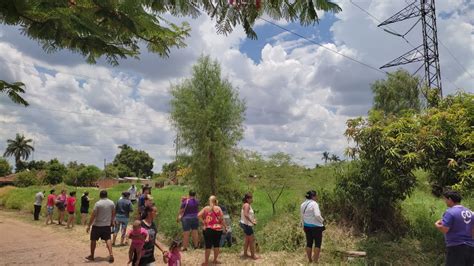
point(17, 163)
point(212, 173)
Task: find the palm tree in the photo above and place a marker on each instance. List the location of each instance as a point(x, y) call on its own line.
point(335, 158)
point(19, 148)
point(325, 156)
point(13, 90)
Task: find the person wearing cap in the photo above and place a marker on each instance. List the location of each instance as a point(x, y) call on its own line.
point(122, 213)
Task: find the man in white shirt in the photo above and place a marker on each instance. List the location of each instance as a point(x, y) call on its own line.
point(133, 194)
point(38, 202)
point(102, 219)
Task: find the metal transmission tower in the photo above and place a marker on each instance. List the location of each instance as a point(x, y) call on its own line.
point(425, 10)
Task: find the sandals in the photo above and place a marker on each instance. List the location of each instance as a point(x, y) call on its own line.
point(111, 259)
point(90, 258)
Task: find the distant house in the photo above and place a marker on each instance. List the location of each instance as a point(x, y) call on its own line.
point(8, 180)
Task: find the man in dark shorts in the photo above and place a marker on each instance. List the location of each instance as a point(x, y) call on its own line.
point(102, 218)
point(457, 226)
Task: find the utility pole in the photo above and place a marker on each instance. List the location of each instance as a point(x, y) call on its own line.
point(426, 52)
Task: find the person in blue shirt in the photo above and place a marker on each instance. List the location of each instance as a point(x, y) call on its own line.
point(457, 225)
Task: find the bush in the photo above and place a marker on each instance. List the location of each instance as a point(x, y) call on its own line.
point(371, 190)
point(55, 172)
point(282, 233)
point(5, 168)
point(26, 179)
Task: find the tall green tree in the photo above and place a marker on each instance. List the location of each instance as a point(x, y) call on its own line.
point(131, 162)
point(208, 115)
point(114, 29)
point(5, 168)
point(397, 93)
point(19, 148)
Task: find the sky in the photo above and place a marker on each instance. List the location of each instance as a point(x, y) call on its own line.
point(299, 95)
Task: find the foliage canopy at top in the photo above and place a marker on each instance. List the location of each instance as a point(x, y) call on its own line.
point(114, 28)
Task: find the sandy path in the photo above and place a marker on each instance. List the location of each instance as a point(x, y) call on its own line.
point(27, 242)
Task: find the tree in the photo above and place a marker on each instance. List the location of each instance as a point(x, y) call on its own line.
point(112, 171)
point(325, 156)
point(382, 176)
point(131, 162)
point(208, 115)
point(335, 158)
point(278, 171)
point(36, 165)
point(5, 168)
point(115, 29)
point(55, 172)
point(13, 91)
point(397, 93)
point(19, 148)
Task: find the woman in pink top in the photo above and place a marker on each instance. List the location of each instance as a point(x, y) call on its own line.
point(71, 209)
point(139, 236)
point(213, 219)
point(61, 205)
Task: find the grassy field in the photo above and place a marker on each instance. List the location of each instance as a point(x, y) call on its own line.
point(422, 245)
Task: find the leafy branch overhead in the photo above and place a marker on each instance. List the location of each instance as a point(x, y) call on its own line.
point(114, 29)
point(13, 91)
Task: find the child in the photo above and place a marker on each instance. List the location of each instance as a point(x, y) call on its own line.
point(139, 236)
point(173, 258)
point(71, 209)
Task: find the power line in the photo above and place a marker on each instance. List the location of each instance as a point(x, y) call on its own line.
point(455, 59)
point(321, 45)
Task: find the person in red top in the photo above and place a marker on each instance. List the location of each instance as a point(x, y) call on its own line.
point(50, 206)
point(212, 218)
point(71, 209)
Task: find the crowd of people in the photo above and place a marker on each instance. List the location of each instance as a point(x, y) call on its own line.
point(108, 219)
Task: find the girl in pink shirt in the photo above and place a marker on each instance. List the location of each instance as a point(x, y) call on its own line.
point(173, 258)
point(71, 209)
point(139, 236)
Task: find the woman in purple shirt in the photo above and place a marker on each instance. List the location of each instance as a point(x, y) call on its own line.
point(457, 226)
point(188, 217)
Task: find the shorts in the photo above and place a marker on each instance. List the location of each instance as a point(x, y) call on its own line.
point(84, 211)
point(71, 212)
point(60, 206)
point(212, 238)
point(248, 230)
point(460, 255)
point(50, 209)
point(314, 235)
point(190, 223)
point(120, 222)
point(100, 232)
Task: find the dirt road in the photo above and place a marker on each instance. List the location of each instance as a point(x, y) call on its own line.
point(25, 242)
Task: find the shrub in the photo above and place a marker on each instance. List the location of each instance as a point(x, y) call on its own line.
point(5, 168)
point(282, 233)
point(370, 192)
point(55, 172)
point(26, 179)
